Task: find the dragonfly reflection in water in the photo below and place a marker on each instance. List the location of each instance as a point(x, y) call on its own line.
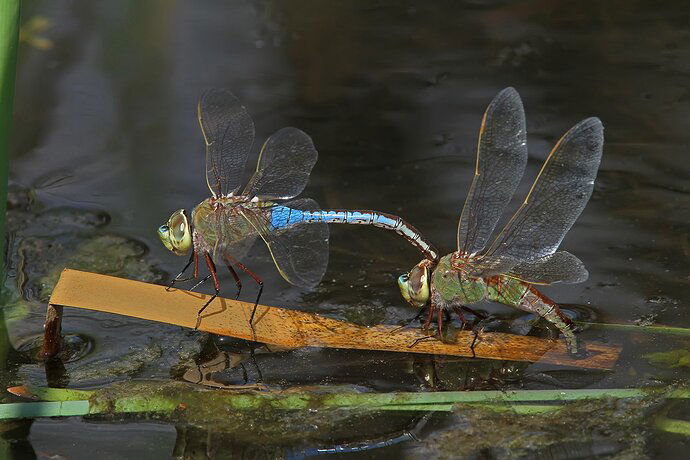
point(525, 252)
point(224, 226)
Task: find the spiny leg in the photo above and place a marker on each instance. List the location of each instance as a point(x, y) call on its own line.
point(473, 311)
point(216, 284)
point(475, 332)
point(427, 324)
point(206, 278)
point(421, 339)
point(232, 271)
point(459, 311)
point(258, 281)
point(477, 329)
point(192, 258)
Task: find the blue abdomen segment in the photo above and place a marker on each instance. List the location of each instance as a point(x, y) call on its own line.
point(283, 217)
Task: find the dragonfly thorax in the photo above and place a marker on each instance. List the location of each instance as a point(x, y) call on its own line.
point(453, 281)
point(227, 200)
point(463, 263)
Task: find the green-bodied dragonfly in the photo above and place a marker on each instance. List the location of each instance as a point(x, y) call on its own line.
point(525, 252)
point(224, 226)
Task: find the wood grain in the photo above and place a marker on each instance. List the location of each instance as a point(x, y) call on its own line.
point(294, 329)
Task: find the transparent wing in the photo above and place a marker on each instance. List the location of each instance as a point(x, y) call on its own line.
point(238, 249)
point(558, 196)
point(300, 252)
point(561, 266)
point(501, 160)
point(229, 133)
point(284, 166)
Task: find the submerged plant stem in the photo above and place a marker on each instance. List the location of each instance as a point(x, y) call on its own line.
point(634, 328)
point(145, 397)
point(171, 398)
point(671, 425)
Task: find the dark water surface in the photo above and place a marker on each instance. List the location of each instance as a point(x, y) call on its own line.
point(106, 145)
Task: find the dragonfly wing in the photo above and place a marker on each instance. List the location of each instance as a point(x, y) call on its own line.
point(561, 266)
point(300, 251)
point(558, 196)
point(487, 267)
point(229, 133)
point(284, 166)
point(237, 249)
point(501, 160)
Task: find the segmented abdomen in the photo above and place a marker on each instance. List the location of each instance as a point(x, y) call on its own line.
point(516, 293)
point(283, 216)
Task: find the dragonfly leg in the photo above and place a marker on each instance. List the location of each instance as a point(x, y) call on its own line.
point(232, 271)
point(427, 323)
point(196, 265)
point(216, 284)
point(258, 281)
point(477, 328)
point(475, 331)
point(474, 312)
point(459, 311)
point(421, 339)
point(192, 258)
point(206, 278)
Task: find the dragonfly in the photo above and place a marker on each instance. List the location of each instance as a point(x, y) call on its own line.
point(525, 252)
point(223, 227)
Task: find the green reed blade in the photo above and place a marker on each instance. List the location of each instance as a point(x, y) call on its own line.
point(668, 330)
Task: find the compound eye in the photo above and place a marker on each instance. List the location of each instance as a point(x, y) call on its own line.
point(178, 224)
point(417, 279)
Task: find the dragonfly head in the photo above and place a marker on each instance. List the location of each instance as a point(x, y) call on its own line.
point(176, 234)
point(414, 286)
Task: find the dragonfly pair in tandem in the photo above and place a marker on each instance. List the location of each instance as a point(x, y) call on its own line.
point(225, 226)
point(525, 252)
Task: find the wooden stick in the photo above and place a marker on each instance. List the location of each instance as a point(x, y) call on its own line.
point(294, 329)
point(52, 332)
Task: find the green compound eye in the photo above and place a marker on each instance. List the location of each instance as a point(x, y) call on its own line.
point(176, 235)
point(414, 286)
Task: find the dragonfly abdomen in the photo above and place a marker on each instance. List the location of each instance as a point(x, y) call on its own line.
point(516, 293)
point(283, 217)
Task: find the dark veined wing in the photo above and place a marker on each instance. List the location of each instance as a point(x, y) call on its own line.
point(561, 266)
point(558, 196)
point(284, 165)
point(300, 252)
point(501, 160)
point(229, 133)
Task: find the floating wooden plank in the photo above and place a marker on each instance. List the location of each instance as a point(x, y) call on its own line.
point(294, 329)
